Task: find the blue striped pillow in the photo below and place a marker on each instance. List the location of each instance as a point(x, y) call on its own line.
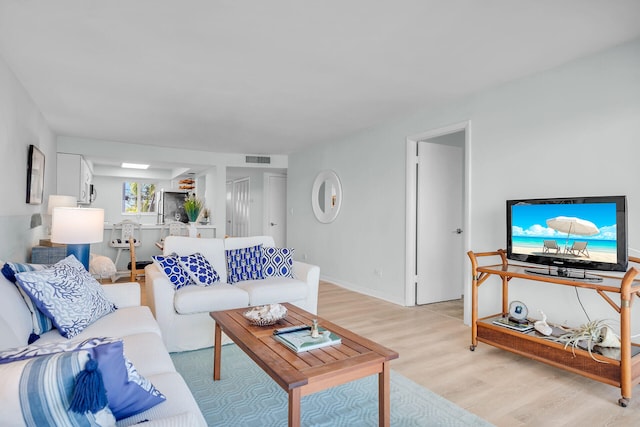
point(128, 392)
point(41, 323)
point(44, 387)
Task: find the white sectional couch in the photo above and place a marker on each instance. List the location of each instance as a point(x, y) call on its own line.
point(183, 314)
point(143, 346)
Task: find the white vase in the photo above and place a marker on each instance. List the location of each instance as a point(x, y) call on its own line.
point(193, 230)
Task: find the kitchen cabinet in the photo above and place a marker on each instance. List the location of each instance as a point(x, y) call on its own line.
point(74, 177)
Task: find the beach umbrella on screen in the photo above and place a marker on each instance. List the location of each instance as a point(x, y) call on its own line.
point(573, 225)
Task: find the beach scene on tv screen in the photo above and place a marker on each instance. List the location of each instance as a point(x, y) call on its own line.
point(573, 231)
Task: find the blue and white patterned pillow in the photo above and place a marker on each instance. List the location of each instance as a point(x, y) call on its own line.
point(44, 388)
point(67, 294)
point(41, 323)
point(199, 269)
point(171, 267)
point(277, 262)
point(244, 264)
point(128, 392)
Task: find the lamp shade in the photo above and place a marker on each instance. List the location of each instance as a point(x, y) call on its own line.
point(60, 201)
point(77, 225)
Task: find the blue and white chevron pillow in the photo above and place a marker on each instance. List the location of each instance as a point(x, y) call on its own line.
point(244, 264)
point(199, 269)
point(277, 262)
point(67, 294)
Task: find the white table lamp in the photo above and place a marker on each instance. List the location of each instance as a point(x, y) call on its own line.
point(78, 228)
point(59, 201)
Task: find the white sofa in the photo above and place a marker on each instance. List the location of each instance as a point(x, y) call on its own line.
point(183, 314)
point(142, 345)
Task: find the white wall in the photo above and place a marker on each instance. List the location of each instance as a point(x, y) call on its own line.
point(569, 131)
point(21, 124)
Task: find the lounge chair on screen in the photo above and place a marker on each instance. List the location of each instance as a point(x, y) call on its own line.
point(578, 248)
point(550, 245)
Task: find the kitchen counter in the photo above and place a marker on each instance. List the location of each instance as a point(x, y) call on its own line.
point(150, 234)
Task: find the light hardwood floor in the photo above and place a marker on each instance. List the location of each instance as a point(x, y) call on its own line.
point(503, 388)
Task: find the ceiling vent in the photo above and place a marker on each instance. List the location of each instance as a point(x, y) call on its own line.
point(258, 159)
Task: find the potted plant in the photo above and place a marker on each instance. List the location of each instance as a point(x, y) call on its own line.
point(192, 207)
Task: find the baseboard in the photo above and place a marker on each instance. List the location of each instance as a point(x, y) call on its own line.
point(362, 290)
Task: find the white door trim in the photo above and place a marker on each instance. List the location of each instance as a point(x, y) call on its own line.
point(411, 217)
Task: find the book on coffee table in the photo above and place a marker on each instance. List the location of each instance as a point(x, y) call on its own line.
point(302, 340)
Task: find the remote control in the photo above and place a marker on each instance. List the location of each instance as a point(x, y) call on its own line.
point(290, 329)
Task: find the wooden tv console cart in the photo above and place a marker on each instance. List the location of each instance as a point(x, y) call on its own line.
point(622, 372)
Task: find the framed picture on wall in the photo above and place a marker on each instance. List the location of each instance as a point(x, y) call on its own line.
point(35, 176)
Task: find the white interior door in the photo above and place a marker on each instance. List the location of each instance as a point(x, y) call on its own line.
point(276, 208)
point(439, 248)
point(240, 205)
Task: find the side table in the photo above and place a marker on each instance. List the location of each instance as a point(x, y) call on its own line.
point(48, 254)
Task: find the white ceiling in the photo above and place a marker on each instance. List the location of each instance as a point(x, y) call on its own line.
point(271, 77)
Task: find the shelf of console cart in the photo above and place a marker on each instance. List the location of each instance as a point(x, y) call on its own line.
point(602, 364)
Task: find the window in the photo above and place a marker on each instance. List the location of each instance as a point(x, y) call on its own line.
point(138, 198)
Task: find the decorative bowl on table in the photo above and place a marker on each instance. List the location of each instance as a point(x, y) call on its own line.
point(266, 315)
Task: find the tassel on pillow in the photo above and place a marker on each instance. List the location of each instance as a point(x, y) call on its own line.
point(33, 337)
point(89, 393)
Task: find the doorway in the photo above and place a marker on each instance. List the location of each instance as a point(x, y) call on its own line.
point(275, 208)
point(238, 208)
point(437, 219)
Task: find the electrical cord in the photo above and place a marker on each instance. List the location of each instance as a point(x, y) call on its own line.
point(580, 301)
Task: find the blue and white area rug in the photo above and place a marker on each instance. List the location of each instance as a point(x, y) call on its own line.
point(246, 396)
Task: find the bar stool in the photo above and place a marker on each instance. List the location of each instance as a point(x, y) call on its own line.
point(121, 233)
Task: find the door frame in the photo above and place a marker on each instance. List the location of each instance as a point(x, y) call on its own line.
point(411, 210)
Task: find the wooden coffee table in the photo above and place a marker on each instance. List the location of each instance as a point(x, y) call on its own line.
point(305, 373)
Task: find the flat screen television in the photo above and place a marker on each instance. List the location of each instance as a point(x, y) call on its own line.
point(579, 233)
